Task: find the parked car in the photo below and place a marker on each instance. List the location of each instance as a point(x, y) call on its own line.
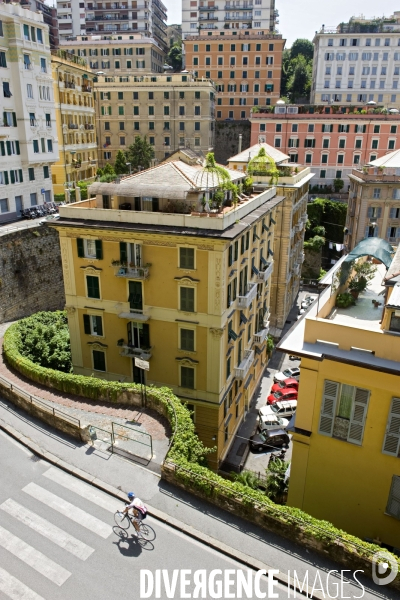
point(268, 419)
point(291, 372)
point(285, 394)
point(307, 301)
point(270, 439)
point(285, 409)
point(290, 382)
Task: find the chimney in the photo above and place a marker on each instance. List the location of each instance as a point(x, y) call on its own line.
point(240, 143)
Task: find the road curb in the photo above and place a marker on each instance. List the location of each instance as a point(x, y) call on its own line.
point(245, 559)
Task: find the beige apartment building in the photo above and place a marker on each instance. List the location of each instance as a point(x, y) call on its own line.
point(75, 118)
point(374, 201)
point(118, 55)
point(172, 111)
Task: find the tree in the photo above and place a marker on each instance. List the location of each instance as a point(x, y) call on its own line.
point(277, 482)
point(106, 173)
point(303, 47)
point(120, 163)
point(338, 185)
point(299, 83)
point(140, 153)
point(174, 57)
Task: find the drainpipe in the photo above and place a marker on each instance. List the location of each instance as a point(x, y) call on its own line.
point(240, 143)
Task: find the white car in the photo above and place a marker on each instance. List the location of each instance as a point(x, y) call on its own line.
point(307, 301)
point(291, 372)
point(268, 419)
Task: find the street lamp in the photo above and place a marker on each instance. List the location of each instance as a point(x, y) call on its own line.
point(128, 164)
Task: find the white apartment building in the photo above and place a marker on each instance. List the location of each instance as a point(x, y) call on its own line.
point(28, 133)
point(228, 14)
point(353, 68)
point(90, 17)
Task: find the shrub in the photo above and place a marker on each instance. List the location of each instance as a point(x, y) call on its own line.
point(344, 300)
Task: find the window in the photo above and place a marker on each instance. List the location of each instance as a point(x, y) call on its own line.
point(327, 128)
point(324, 159)
point(377, 193)
point(26, 32)
point(186, 258)
point(120, 110)
point(391, 144)
point(93, 287)
point(358, 144)
point(93, 325)
point(9, 119)
point(49, 146)
point(187, 299)
point(340, 159)
point(197, 111)
point(33, 199)
point(187, 377)
point(46, 172)
point(99, 360)
point(343, 412)
point(166, 110)
point(374, 144)
point(31, 173)
point(322, 174)
point(3, 61)
point(88, 248)
point(356, 159)
point(342, 143)
point(4, 205)
point(308, 159)
point(325, 143)
point(36, 146)
point(43, 65)
point(343, 128)
point(187, 340)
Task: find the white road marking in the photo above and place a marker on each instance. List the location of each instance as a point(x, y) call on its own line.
point(33, 557)
point(83, 489)
point(47, 530)
point(69, 510)
point(15, 589)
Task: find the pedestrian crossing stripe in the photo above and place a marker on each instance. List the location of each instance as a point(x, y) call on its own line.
point(82, 489)
point(47, 529)
point(15, 589)
point(32, 557)
point(68, 510)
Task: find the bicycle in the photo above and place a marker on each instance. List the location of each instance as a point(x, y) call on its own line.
point(124, 520)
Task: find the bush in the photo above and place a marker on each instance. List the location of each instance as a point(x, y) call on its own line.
point(344, 300)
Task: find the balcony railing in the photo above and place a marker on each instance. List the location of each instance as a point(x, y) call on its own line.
point(244, 367)
point(89, 126)
point(208, 18)
point(133, 272)
point(209, 8)
point(393, 240)
point(260, 337)
point(87, 89)
point(251, 293)
point(132, 352)
point(69, 84)
point(263, 276)
point(73, 126)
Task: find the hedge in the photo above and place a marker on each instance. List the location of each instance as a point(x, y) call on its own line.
point(186, 453)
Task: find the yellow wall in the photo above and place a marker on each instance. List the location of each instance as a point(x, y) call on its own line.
point(335, 480)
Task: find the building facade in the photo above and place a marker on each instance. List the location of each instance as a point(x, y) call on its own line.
point(28, 136)
point(292, 184)
point(174, 34)
point(374, 201)
point(172, 111)
point(76, 119)
point(49, 17)
point(346, 435)
point(205, 335)
point(245, 65)
point(113, 18)
point(118, 55)
point(328, 140)
point(246, 14)
point(358, 62)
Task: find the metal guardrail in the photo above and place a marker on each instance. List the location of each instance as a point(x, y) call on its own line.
point(40, 403)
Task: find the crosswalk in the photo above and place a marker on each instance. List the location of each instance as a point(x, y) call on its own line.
point(47, 528)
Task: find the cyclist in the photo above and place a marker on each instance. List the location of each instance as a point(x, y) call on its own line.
point(139, 511)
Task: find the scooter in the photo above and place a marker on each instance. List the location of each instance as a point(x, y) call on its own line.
point(280, 456)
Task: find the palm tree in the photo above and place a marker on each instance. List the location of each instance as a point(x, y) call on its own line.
point(246, 478)
point(211, 176)
point(277, 482)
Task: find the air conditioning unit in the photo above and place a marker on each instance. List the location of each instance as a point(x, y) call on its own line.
point(280, 110)
point(292, 110)
point(261, 139)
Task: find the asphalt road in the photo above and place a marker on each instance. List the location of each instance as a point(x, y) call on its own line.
point(57, 542)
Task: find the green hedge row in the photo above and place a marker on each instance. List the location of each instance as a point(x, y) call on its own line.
point(186, 452)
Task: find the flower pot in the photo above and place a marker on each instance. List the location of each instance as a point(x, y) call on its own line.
point(354, 293)
point(203, 214)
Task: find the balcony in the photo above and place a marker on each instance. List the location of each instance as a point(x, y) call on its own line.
point(242, 17)
point(263, 276)
point(132, 272)
point(304, 218)
point(260, 337)
point(208, 18)
point(209, 8)
point(86, 89)
point(89, 126)
point(251, 293)
point(296, 268)
point(134, 315)
point(69, 84)
point(73, 126)
point(132, 352)
point(299, 226)
point(229, 7)
point(393, 240)
point(241, 371)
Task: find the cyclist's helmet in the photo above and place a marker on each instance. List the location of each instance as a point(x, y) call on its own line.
point(131, 495)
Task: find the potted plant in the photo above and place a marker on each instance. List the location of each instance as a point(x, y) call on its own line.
point(363, 273)
point(219, 197)
point(344, 300)
point(356, 286)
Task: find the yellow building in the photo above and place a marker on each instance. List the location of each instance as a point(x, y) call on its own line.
point(346, 437)
point(292, 182)
point(75, 115)
point(148, 274)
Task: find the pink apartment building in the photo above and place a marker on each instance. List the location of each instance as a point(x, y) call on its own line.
point(330, 143)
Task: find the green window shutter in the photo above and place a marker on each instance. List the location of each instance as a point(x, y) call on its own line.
point(14, 118)
point(99, 249)
point(86, 324)
point(21, 176)
point(187, 299)
point(135, 298)
point(145, 336)
point(99, 325)
point(328, 408)
point(230, 256)
point(3, 148)
point(6, 177)
point(391, 443)
point(123, 252)
point(17, 147)
point(8, 144)
point(358, 416)
point(93, 287)
point(12, 175)
point(81, 251)
point(99, 360)
point(129, 332)
point(5, 119)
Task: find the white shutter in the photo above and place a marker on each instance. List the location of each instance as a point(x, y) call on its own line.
point(328, 408)
point(358, 416)
point(391, 443)
point(393, 505)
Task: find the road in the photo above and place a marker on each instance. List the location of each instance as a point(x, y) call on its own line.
point(57, 542)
